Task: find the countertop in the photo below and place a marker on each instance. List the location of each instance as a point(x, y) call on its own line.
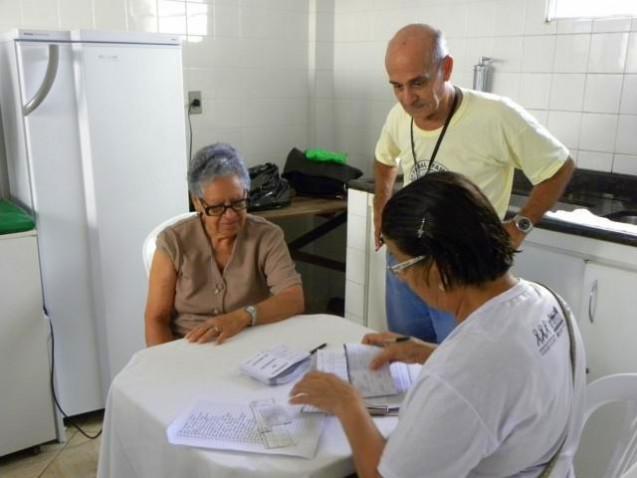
point(600, 193)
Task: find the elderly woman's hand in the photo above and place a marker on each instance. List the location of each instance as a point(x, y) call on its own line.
point(220, 328)
point(326, 392)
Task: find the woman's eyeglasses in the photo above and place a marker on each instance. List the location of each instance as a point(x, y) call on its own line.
point(220, 209)
point(401, 266)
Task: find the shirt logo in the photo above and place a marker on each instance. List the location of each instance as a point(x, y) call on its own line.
point(548, 331)
point(421, 169)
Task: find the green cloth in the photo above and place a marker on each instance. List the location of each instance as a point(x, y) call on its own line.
point(13, 219)
point(324, 156)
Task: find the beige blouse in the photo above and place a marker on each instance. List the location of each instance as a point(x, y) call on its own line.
point(260, 266)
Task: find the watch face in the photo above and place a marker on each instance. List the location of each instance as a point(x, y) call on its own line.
point(524, 224)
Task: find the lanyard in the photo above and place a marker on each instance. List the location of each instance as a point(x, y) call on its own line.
point(442, 135)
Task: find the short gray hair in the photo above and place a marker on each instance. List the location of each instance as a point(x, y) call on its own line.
point(215, 161)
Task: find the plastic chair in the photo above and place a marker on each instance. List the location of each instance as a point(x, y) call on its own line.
point(148, 249)
point(621, 387)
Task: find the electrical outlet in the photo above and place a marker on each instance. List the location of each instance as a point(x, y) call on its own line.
point(197, 107)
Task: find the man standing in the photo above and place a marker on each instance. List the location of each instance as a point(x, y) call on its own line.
point(436, 126)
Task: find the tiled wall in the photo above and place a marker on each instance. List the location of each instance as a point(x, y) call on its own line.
point(248, 57)
point(577, 77)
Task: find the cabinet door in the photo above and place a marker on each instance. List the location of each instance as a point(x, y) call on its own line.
point(561, 272)
point(608, 320)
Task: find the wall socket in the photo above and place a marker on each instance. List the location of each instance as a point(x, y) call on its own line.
point(195, 96)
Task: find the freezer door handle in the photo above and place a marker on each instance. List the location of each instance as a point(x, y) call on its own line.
point(47, 83)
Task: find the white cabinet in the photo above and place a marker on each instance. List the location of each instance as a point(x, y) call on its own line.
point(26, 409)
point(608, 319)
point(561, 272)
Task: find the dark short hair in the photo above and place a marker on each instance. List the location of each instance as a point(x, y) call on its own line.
point(446, 218)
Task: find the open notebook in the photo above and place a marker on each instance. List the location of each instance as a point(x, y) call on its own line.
point(383, 389)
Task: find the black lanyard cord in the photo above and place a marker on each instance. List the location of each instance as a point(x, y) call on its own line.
point(442, 135)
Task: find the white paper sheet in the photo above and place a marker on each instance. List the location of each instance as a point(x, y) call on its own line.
point(225, 426)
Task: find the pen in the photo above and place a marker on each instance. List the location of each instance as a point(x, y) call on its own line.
point(323, 345)
point(401, 338)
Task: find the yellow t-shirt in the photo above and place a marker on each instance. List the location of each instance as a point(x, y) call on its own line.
point(488, 137)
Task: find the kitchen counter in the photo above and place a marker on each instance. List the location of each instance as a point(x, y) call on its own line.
point(600, 193)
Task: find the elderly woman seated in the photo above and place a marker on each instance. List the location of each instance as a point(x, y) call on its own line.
point(223, 270)
point(502, 395)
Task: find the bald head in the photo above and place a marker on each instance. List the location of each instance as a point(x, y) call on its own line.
point(417, 41)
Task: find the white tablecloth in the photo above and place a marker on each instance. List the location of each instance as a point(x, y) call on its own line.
point(161, 382)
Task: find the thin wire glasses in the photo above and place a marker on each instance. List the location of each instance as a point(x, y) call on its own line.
point(220, 209)
point(401, 266)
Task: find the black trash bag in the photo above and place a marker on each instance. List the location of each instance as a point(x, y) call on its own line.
point(268, 190)
point(312, 178)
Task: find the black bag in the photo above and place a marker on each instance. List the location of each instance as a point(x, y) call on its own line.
point(312, 178)
point(267, 189)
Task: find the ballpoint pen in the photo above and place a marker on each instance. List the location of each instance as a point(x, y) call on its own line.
point(323, 345)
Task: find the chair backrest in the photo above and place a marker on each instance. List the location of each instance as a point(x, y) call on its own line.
point(148, 249)
point(621, 387)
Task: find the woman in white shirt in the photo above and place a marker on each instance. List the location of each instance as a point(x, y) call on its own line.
point(500, 397)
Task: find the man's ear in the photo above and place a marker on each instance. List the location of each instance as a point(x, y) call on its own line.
point(447, 67)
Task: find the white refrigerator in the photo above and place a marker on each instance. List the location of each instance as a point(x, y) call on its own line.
point(94, 129)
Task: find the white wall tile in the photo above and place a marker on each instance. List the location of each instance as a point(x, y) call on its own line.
point(353, 26)
point(595, 160)
point(608, 52)
point(142, 15)
point(481, 19)
point(629, 95)
point(509, 17)
point(39, 14)
point(506, 84)
point(577, 25)
point(541, 116)
point(598, 132)
point(172, 17)
point(507, 54)
point(355, 269)
point(534, 90)
point(76, 14)
point(567, 92)
point(539, 52)
point(626, 135)
point(357, 231)
point(565, 127)
point(603, 93)
point(110, 15)
point(452, 18)
point(535, 23)
point(625, 164)
point(571, 53)
point(475, 48)
point(354, 300)
point(10, 13)
point(226, 20)
point(357, 203)
point(611, 25)
point(631, 59)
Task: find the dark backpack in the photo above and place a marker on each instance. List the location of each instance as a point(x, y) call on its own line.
point(268, 190)
point(312, 178)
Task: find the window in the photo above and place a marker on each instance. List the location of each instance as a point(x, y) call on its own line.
point(590, 8)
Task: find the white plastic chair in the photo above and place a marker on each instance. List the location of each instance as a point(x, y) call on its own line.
point(621, 387)
point(148, 249)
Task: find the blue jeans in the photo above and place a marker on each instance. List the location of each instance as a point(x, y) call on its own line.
point(408, 314)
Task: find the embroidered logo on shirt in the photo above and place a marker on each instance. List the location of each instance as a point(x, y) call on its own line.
point(548, 331)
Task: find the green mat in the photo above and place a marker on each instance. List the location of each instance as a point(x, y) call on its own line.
point(13, 219)
point(324, 156)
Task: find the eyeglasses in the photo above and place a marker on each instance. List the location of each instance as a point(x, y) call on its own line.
point(220, 209)
point(401, 266)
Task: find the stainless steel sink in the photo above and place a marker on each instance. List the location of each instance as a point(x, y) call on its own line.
point(627, 216)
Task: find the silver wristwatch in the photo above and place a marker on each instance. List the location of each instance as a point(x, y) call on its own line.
point(252, 311)
point(523, 223)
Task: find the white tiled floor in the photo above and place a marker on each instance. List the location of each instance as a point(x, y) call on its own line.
point(77, 458)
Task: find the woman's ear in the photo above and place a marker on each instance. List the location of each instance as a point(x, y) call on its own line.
point(196, 202)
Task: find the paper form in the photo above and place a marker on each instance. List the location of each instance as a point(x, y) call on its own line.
point(223, 426)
